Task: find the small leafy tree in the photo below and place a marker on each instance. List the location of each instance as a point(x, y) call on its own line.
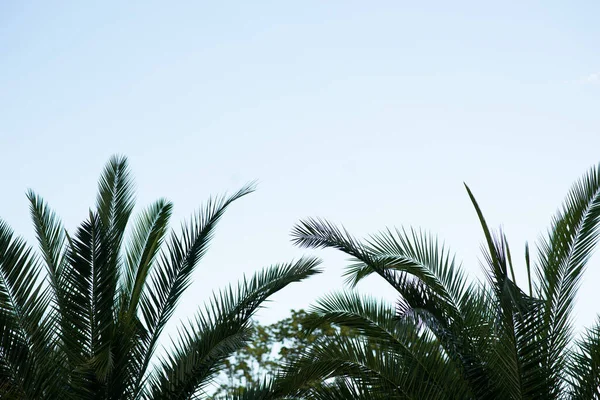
point(272, 346)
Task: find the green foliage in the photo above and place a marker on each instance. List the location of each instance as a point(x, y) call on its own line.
point(82, 318)
point(448, 337)
point(271, 346)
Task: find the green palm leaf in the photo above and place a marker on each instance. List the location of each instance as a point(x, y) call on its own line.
point(221, 330)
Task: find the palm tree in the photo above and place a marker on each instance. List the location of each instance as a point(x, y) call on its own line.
point(82, 318)
point(451, 338)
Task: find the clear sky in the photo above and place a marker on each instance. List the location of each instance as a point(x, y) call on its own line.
point(369, 113)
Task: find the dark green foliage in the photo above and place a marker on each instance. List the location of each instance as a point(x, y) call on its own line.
point(83, 318)
point(448, 337)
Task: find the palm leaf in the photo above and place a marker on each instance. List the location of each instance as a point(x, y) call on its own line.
point(26, 337)
point(562, 260)
point(173, 273)
point(221, 330)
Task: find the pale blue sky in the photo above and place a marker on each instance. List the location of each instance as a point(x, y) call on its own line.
point(369, 113)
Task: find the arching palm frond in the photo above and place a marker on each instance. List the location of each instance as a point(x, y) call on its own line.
point(431, 288)
point(220, 330)
point(563, 256)
point(423, 358)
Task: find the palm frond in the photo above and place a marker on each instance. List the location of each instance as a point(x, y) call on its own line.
point(377, 321)
point(563, 256)
point(171, 276)
point(114, 205)
point(26, 336)
point(432, 289)
point(222, 329)
point(372, 366)
point(146, 239)
point(115, 200)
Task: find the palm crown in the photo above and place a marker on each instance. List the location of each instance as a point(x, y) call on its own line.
point(82, 318)
point(448, 337)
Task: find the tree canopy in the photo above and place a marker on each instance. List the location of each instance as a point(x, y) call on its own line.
point(272, 346)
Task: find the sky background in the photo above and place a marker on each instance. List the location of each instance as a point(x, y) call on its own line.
point(369, 113)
